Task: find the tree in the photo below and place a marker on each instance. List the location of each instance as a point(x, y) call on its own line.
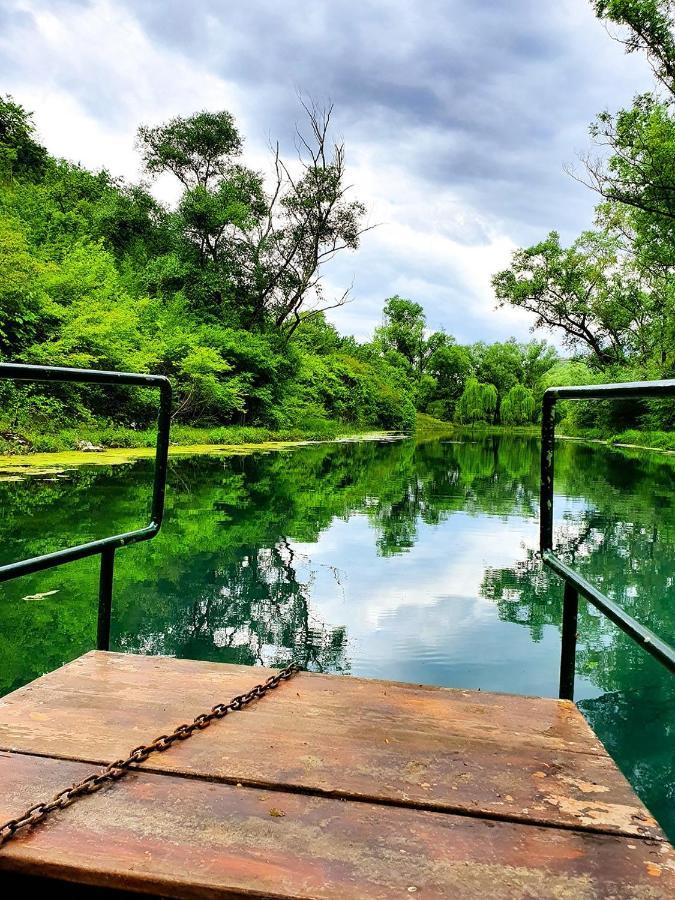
point(650, 25)
point(478, 402)
point(637, 180)
point(197, 149)
point(23, 302)
point(587, 291)
point(538, 358)
point(20, 153)
point(206, 394)
point(640, 171)
point(310, 220)
point(402, 331)
point(244, 250)
point(500, 364)
point(612, 292)
point(95, 273)
point(448, 367)
point(435, 365)
point(517, 407)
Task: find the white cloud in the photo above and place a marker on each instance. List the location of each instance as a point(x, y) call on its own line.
point(92, 76)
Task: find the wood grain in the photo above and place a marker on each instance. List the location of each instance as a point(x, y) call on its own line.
point(183, 837)
point(503, 756)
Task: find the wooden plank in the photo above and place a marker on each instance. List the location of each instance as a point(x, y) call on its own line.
point(184, 837)
point(510, 757)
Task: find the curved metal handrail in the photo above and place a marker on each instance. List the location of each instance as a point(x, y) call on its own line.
point(108, 545)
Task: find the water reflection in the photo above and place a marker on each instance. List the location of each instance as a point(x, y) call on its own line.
point(413, 561)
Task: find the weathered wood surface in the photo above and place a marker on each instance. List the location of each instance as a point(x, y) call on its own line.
point(449, 793)
point(526, 759)
point(191, 838)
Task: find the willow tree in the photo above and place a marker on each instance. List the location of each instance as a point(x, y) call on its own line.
point(517, 407)
point(478, 403)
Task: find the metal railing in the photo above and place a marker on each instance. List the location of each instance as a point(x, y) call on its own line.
point(106, 547)
point(575, 585)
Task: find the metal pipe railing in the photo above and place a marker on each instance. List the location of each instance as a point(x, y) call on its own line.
point(106, 547)
point(575, 585)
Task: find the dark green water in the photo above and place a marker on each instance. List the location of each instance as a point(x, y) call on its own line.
point(402, 560)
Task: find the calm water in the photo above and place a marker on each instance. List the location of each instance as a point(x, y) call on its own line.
point(403, 560)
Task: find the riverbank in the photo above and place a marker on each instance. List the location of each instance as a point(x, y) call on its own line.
point(67, 440)
point(663, 441)
point(428, 425)
point(642, 440)
point(14, 466)
point(49, 453)
point(104, 445)
point(482, 429)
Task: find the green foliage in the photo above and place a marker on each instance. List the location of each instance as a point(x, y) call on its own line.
point(201, 371)
point(20, 154)
point(402, 331)
point(650, 30)
point(478, 402)
point(588, 292)
point(661, 440)
point(448, 368)
point(500, 364)
point(223, 295)
point(517, 407)
point(241, 253)
point(443, 372)
point(95, 273)
point(23, 304)
point(196, 149)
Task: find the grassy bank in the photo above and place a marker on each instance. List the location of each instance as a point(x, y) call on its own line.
point(664, 441)
point(184, 442)
point(646, 440)
point(655, 440)
point(428, 425)
point(482, 428)
point(115, 437)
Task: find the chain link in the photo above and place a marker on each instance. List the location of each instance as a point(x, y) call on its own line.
point(121, 767)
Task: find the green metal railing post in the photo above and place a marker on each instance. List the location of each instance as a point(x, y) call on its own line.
point(105, 592)
point(643, 636)
point(547, 461)
point(568, 650)
point(575, 585)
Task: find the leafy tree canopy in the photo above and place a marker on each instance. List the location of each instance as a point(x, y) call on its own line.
point(20, 154)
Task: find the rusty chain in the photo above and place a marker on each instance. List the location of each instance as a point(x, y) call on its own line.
point(121, 767)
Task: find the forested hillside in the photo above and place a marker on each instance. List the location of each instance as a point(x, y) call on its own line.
point(221, 293)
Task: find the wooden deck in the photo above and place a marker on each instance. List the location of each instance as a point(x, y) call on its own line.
point(330, 787)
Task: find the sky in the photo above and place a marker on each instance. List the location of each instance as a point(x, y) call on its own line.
point(458, 116)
